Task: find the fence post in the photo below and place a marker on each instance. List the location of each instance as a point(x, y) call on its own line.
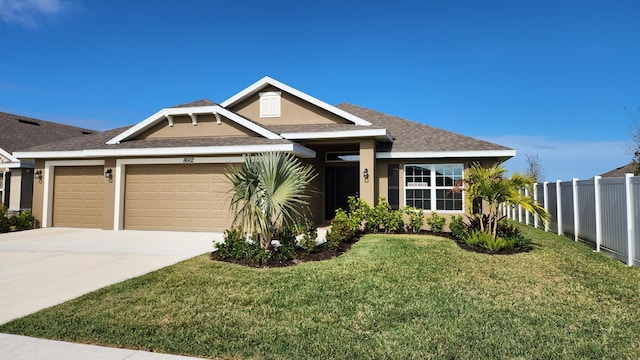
point(535, 198)
point(559, 207)
point(526, 213)
point(631, 233)
point(546, 202)
point(520, 212)
point(598, 209)
point(576, 212)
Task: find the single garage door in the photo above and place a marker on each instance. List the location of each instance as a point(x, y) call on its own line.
point(185, 197)
point(78, 193)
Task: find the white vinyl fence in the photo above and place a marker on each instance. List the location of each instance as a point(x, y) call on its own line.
point(601, 212)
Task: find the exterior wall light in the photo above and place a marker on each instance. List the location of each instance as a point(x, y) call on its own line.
point(38, 174)
point(108, 174)
point(366, 174)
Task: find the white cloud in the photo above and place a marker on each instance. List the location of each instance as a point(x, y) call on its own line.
point(29, 13)
point(564, 160)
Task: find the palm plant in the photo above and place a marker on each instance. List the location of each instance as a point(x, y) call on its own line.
point(268, 191)
point(494, 188)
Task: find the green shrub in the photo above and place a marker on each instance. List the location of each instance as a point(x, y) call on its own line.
point(458, 228)
point(287, 240)
point(477, 238)
point(390, 219)
point(374, 218)
point(333, 240)
point(416, 218)
point(342, 229)
point(308, 241)
point(235, 246)
point(5, 223)
point(512, 233)
point(24, 221)
point(436, 222)
point(232, 246)
point(485, 240)
point(359, 211)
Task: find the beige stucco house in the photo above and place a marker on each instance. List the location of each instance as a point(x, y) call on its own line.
point(167, 171)
point(19, 132)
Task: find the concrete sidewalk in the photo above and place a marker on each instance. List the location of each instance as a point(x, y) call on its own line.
point(17, 347)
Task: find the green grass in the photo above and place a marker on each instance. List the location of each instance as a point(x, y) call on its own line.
point(391, 296)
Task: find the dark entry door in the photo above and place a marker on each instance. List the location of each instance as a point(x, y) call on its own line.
point(340, 183)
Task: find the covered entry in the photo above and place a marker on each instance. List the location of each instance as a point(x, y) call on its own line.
point(184, 197)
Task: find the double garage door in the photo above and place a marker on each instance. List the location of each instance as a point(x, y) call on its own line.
point(185, 197)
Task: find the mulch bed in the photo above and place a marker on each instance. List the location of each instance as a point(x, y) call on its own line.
point(322, 252)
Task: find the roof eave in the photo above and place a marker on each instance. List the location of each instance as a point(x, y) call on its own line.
point(500, 154)
point(381, 135)
point(295, 149)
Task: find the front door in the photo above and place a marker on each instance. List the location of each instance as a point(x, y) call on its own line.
point(340, 183)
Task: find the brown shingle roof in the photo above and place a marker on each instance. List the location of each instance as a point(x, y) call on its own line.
point(630, 168)
point(203, 102)
point(411, 136)
point(98, 140)
point(408, 136)
point(20, 132)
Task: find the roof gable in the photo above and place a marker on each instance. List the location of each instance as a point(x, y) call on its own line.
point(168, 114)
point(266, 82)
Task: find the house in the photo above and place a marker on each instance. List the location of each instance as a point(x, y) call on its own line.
point(167, 171)
point(630, 168)
point(16, 175)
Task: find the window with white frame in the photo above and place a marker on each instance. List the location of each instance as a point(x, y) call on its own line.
point(430, 186)
point(270, 104)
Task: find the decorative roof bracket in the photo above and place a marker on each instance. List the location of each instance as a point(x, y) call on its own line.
point(194, 119)
point(169, 119)
point(218, 120)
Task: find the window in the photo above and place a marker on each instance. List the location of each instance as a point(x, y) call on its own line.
point(429, 187)
point(343, 156)
point(270, 104)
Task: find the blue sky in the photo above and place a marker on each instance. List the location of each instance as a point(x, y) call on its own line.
point(551, 78)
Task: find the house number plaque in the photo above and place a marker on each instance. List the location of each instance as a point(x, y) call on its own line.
point(188, 160)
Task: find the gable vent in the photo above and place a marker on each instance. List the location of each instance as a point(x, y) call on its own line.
point(28, 122)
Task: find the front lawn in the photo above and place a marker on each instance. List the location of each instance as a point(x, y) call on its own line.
point(390, 296)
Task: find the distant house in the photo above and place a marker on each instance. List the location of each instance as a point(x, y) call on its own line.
point(630, 168)
point(16, 175)
point(167, 172)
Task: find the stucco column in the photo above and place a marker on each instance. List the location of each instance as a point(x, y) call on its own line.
point(367, 164)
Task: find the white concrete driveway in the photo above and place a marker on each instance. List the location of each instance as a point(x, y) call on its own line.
point(44, 267)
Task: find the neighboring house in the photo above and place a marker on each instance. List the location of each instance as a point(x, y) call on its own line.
point(16, 175)
point(167, 172)
point(630, 168)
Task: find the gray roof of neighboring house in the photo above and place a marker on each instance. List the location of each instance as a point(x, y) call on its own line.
point(20, 132)
point(630, 168)
point(411, 136)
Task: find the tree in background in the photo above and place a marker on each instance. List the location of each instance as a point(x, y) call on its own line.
point(635, 149)
point(534, 167)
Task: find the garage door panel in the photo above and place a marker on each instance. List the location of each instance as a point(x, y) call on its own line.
point(176, 197)
point(78, 196)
